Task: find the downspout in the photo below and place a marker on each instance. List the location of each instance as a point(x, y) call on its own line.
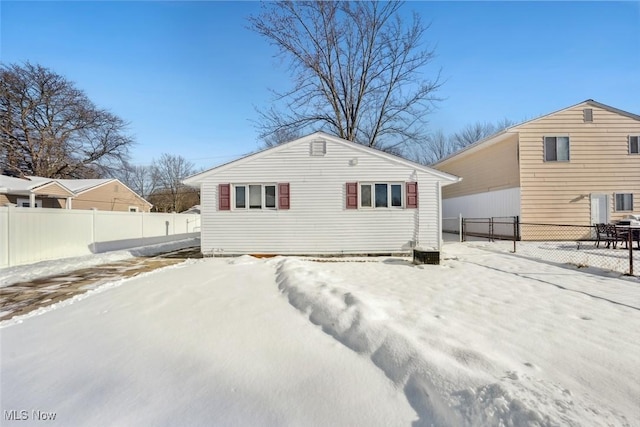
point(439, 187)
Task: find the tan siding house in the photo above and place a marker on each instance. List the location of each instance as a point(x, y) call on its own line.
point(579, 165)
point(101, 194)
point(35, 191)
point(105, 195)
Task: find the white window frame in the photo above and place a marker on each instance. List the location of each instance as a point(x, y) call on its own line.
point(622, 209)
point(263, 197)
point(21, 200)
point(544, 148)
point(133, 209)
point(637, 137)
point(389, 197)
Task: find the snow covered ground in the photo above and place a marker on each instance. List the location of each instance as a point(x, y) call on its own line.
point(23, 273)
point(485, 338)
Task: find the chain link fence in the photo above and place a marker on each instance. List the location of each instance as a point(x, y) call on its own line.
point(608, 247)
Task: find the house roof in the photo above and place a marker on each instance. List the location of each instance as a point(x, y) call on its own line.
point(27, 185)
point(80, 185)
point(505, 133)
point(196, 179)
point(74, 187)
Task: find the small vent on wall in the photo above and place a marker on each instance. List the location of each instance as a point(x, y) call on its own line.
point(588, 115)
point(318, 148)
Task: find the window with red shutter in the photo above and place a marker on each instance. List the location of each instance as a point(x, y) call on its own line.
point(412, 195)
point(283, 195)
point(352, 195)
point(224, 197)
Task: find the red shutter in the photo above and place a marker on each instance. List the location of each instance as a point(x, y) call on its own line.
point(352, 195)
point(412, 195)
point(224, 197)
point(283, 196)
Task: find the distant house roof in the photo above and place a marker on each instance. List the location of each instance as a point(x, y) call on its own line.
point(80, 185)
point(75, 187)
point(195, 209)
point(27, 185)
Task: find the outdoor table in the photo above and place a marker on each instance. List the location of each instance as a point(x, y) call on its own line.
point(633, 230)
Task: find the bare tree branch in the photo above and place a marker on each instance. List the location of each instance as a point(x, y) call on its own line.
point(50, 128)
point(167, 173)
point(357, 71)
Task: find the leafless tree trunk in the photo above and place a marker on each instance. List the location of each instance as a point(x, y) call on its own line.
point(168, 173)
point(357, 70)
point(50, 128)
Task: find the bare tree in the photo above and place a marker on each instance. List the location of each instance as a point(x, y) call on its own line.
point(50, 128)
point(137, 177)
point(168, 172)
point(477, 131)
point(438, 146)
point(357, 68)
point(281, 136)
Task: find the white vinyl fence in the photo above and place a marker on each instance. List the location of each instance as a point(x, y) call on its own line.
point(36, 234)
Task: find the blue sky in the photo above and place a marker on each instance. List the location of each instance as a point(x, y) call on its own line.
point(188, 75)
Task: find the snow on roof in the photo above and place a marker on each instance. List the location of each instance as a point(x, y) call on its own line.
point(79, 185)
point(12, 184)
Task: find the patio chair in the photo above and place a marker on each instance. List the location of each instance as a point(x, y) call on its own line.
point(601, 233)
point(613, 235)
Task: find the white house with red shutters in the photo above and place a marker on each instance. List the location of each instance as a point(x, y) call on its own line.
point(320, 195)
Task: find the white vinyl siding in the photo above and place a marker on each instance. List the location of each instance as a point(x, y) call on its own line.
point(318, 221)
point(500, 203)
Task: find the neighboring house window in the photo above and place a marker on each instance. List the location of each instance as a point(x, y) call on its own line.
point(24, 203)
point(256, 196)
point(556, 148)
point(624, 202)
point(380, 195)
point(133, 209)
point(634, 144)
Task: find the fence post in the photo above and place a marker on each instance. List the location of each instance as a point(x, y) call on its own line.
point(515, 232)
point(630, 244)
point(9, 210)
point(491, 239)
point(462, 230)
point(93, 229)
